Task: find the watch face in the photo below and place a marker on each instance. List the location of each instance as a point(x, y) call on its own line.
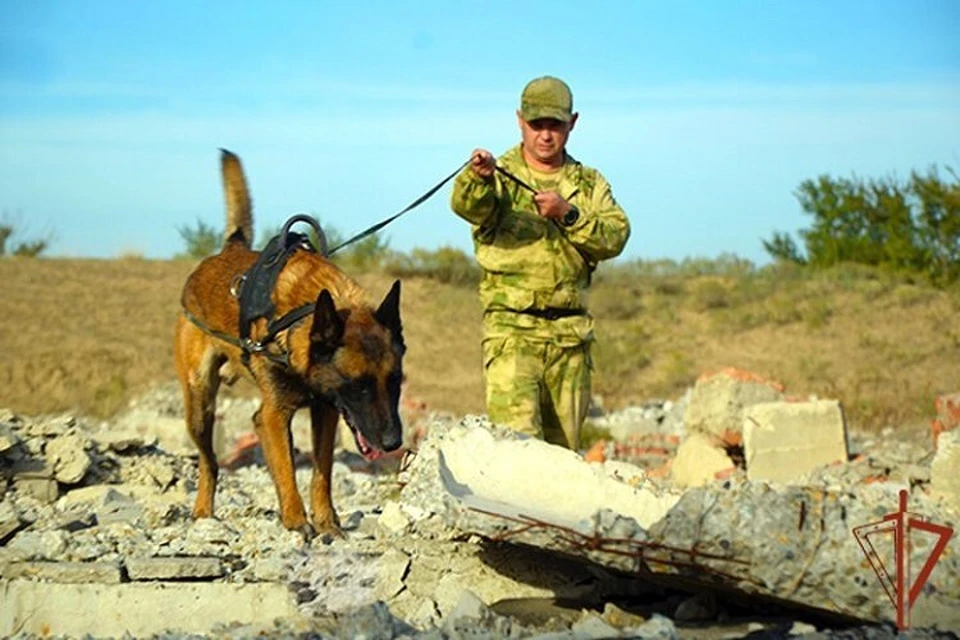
point(571, 216)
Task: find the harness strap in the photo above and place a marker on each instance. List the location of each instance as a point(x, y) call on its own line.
point(246, 346)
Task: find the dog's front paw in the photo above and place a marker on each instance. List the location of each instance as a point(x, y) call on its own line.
point(331, 533)
point(328, 528)
point(307, 531)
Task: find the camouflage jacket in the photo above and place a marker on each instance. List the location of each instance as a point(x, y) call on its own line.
point(532, 262)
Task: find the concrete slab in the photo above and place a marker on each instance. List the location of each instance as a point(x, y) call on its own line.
point(141, 609)
point(64, 572)
point(540, 480)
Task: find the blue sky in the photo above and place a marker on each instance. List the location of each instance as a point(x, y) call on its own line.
point(704, 116)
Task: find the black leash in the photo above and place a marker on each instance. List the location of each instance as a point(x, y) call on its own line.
point(416, 203)
point(524, 185)
point(413, 205)
point(520, 182)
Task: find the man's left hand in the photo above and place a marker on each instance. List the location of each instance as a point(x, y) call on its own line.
point(551, 205)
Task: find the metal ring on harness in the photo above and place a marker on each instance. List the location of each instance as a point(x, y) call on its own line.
point(236, 284)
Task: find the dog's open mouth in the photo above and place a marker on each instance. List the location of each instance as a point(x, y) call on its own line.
point(366, 449)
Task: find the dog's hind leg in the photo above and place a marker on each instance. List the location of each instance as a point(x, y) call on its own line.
point(200, 384)
point(272, 424)
point(324, 430)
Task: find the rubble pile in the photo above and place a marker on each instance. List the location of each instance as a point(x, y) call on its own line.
point(723, 529)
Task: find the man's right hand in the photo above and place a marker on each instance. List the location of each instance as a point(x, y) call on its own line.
point(483, 163)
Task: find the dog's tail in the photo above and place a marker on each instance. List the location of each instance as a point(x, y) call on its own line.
point(237, 196)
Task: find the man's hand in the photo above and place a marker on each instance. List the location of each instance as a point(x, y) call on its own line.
point(483, 163)
point(551, 205)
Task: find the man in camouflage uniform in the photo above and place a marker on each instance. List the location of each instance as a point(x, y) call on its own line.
point(537, 251)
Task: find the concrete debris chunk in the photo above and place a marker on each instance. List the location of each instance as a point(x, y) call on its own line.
point(393, 520)
point(174, 568)
point(68, 457)
point(8, 438)
point(945, 469)
point(10, 521)
point(393, 567)
point(38, 545)
point(700, 460)
point(718, 400)
point(117, 507)
point(592, 626)
point(783, 441)
point(63, 572)
point(44, 490)
point(125, 441)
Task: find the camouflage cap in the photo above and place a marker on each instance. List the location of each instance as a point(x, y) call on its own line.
point(546, 97)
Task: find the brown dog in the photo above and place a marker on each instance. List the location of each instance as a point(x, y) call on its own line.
point(343, 358)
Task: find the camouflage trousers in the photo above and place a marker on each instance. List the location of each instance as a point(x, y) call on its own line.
point(538, 388)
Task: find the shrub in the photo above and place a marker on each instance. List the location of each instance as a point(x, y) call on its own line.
point(11, 244)
point(446, 264)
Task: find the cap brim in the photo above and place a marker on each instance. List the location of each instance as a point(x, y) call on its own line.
point(538, 113)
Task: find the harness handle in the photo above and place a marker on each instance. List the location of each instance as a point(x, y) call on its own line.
point(302, 217)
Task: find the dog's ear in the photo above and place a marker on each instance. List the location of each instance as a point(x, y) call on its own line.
point(388, 313)
point(326, 333)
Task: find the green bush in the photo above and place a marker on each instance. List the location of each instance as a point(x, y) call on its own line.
point(10, 244)
point(446, 264)
point(901, 226)
point(202, 240)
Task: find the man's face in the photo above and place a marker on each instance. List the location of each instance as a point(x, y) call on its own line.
point(544, 139)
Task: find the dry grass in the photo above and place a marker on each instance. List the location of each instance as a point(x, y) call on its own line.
point(87, 335)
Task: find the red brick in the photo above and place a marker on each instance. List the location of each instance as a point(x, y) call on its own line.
point(726, 473)
point(597, 453)
point(744, 376)
point(947, 408)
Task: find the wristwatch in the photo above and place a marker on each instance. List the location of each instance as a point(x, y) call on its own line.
point(570, 217)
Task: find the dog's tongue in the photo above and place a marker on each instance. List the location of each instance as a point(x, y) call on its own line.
point(366, 449)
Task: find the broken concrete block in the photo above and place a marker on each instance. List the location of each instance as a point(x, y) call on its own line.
point(68, 458)
point(392, 569)
point(468, 607)
point(63, 572)
point(945, 470)
point(10, 520)
point(718, 400)
point(124, 442)
point(392, 519)
point(46, 490)
point(174, 568)
point(592, 625)
point(38, 545)
point(786, 440)
point(699, 459)
point(117, 507)
point(8, 439)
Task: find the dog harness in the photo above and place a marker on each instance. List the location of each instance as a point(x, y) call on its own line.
point(253, 291)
